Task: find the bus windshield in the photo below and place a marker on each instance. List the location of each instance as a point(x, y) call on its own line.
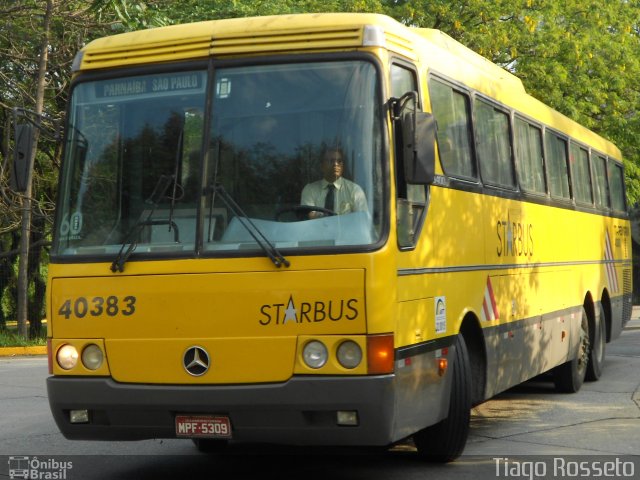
point(146, 170)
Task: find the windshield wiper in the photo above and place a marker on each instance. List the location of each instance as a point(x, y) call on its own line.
point(131, 239)
point(269, 248)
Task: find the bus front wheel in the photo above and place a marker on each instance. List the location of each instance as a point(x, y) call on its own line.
point(445, 441)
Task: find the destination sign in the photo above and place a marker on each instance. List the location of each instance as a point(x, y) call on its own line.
point(150, 84)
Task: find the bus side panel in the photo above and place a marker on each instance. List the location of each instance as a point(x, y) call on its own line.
point(531, 340)
point(618, 274)
point(422, 396)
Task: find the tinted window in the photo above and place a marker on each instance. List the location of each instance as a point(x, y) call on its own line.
point(601, 185)
point(529, 157)
point(451, 110)
point(493, 145)
point(581, 176)
point(557, 165)
point(616, 184)
point(411, 198)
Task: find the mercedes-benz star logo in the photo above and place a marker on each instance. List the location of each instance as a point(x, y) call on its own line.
point(196, 361)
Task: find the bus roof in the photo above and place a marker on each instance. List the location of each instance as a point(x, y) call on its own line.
point(432, 50)
point(236, 37)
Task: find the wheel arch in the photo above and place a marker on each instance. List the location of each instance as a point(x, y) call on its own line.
point(473, 336)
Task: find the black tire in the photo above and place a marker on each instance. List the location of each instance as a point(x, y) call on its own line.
point(569, 377)
point(598, 347)
point(445, 441)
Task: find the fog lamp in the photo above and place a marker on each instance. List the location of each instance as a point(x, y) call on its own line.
point(347, 418)
point(79, 416)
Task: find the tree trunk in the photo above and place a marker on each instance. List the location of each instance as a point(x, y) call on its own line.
point(23, 270)
point(39, 286)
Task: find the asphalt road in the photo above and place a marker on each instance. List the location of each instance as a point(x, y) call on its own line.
point(523, 433)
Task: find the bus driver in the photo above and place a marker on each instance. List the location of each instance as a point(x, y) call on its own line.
point(333, 191)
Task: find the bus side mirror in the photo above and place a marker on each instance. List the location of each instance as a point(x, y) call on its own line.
point(21, 155)
point(419, 139)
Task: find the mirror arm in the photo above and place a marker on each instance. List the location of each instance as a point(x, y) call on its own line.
point(397, 105)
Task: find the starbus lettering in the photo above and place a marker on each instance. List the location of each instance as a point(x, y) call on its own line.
point(515, 238)
point(308, 312)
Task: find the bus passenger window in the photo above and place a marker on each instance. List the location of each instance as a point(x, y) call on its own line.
point(601, 186)
point(616, 185)
point(452, 112)
point(557, 165)
point(493, 145)
point(528, 141)
point(581, 176)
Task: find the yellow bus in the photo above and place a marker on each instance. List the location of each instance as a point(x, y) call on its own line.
point(321, 229)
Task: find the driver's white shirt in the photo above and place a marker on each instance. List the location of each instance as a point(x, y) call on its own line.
point(349, 197)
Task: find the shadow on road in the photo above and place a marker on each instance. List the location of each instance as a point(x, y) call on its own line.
point(270, 462)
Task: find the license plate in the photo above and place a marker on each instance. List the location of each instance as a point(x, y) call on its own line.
point(206, 426)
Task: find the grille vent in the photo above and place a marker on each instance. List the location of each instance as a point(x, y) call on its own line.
point(626, 280)
point(627, 300)
point(147, 53)
point(286, 41)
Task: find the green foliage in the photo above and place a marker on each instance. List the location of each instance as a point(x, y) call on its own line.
point(196, 10)
point(579, 56)
point(130, 15)
point(10, 338)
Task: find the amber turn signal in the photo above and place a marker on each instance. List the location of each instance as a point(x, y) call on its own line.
point(380, 354)
point(442, 366)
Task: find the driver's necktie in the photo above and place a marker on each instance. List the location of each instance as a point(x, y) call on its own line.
point(329, 200)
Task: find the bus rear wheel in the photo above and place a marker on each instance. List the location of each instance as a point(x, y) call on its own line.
point(445, 441)
point(569, 377)
point(598, 347)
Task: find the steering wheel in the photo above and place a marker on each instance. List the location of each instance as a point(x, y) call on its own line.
point(302, 212)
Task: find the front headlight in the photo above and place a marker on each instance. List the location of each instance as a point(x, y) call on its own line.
point(315, 354)
point(67, 357)
point(92, 357)
point(349, 354)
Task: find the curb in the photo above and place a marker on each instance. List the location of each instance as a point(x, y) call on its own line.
point(20, 351)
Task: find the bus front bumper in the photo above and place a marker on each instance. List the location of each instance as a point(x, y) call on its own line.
point(301, 411)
